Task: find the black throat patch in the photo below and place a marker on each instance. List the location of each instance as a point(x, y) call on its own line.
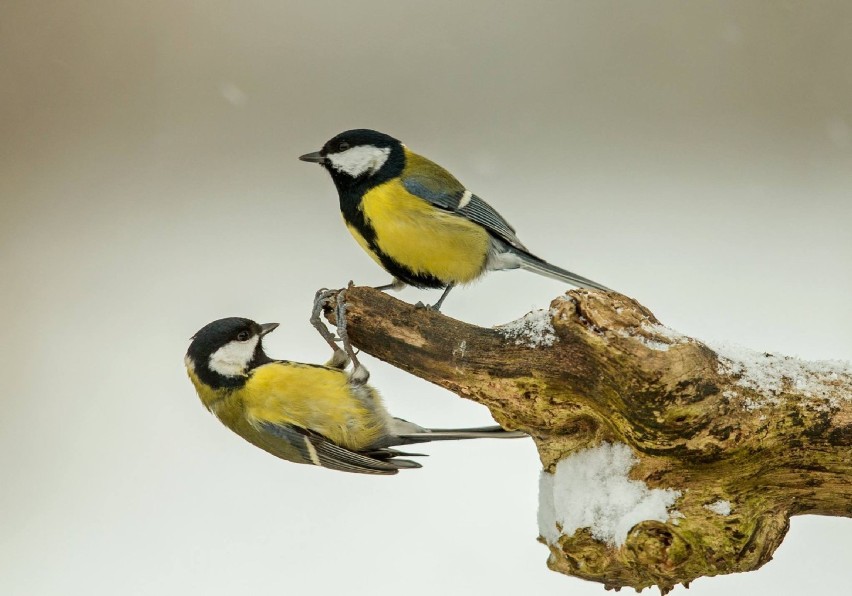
point(352, 190)
point(218, 381)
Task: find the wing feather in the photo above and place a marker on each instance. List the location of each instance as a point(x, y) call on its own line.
point(432, 183)
point(316, 449)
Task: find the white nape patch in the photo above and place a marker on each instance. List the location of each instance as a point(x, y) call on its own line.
point(232, 359)
point(190, 365)
point(720, 507)
point(533, 330)
point(591, 489)
point(824, 383)
point(465, 199)
point(359, 160)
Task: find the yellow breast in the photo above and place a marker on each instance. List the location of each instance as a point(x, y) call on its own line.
point(422, 237)
point(363, 243)
point(317, 398)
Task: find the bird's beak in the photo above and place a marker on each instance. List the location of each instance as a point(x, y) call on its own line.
point(267, 328)
point(314, 157)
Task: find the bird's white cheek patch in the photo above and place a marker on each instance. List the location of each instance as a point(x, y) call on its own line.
point(233, 358)
point(359, 160)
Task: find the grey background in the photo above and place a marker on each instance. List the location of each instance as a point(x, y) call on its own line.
point(694, 155)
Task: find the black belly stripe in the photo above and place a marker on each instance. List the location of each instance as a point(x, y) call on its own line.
point(350, 203)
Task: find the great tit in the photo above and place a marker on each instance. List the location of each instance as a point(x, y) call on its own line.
point(417, 221)
point(304, 413)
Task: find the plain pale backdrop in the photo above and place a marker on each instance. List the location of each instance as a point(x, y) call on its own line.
point(694, 155)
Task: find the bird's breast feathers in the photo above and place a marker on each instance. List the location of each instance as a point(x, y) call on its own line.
point(210, 397)
point(422, 237)
point(314, 397)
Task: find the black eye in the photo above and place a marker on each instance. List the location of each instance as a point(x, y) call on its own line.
point(342, 146)
point(243, 335)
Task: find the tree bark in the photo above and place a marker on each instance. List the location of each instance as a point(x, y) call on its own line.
point(599, 367)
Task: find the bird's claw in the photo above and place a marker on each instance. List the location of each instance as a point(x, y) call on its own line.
point(420, 305)
point(321, 300)
point(359, 374)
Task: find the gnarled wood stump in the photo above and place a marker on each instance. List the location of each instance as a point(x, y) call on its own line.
point(747, 444)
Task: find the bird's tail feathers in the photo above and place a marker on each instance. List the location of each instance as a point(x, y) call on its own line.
point(388, 454)
point(455, 434)
point(536, 265)
point(405, 464)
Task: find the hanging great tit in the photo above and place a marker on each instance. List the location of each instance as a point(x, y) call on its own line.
point(305, 413)
point(417, 221)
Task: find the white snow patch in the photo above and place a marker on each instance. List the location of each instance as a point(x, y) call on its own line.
point(659, 332)
point(663, 331)
point(651, 343)
point(656, 345)
point(770, 375)
point(591, 489)
point(720, 507)
point(533, 330)
point(547, 509)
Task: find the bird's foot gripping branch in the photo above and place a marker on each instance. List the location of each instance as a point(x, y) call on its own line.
point(664, 459)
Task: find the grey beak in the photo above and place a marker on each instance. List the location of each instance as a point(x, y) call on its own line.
point(267, 328)
point(314, 157)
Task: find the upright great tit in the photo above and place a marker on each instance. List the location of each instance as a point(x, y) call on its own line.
point(417, 221)
point(304, 413)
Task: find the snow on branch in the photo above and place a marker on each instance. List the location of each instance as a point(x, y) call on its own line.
point(664, 458)
point(591, 489)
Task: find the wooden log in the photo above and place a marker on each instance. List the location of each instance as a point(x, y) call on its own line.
point(740, 442)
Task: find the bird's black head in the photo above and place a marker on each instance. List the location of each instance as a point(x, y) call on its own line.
point(360, 157)
point(223, 352)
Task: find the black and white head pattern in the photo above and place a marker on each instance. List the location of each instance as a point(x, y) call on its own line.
point(358, 153)
point(227, 348)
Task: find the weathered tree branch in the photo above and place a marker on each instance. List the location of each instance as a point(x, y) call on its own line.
point(769, 439)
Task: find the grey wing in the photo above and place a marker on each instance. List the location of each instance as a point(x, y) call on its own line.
point(316, 449)
point(439, 187)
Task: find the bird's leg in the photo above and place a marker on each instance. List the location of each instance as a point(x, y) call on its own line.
point(359, 375)
point(395, 285)
point(437, 306)
point(339, 359)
